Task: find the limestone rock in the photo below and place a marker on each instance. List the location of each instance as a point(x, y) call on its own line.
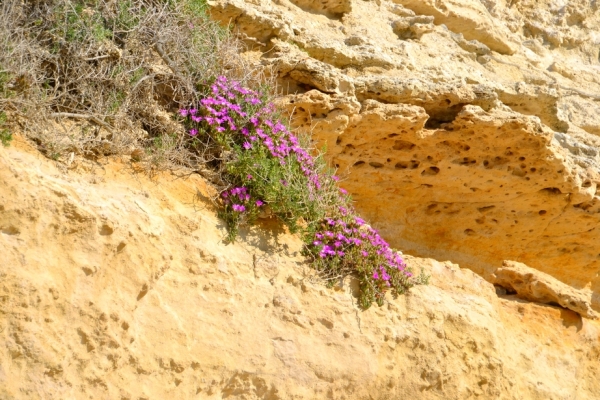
point(326, 6)
point(413, 27)
point(123, 288)
point(470, 18)
point(537, 286)
point(475, 142)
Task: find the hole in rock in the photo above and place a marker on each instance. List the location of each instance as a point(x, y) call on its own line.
point(551, 191)
point(439, 116)
point(456, 146)
point(430, 171)
point(542, 212)
point(106, 230)
point(375, 164)
point(469, 232)
point(356, 164)
point(412, 164)
point(143, 292)
point(465, 161)
point(10, 230)
point(584, 206)
point(403, 145)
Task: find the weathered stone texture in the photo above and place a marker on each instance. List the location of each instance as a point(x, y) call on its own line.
point(534, 285)
point(113, 286)
point(473, 139)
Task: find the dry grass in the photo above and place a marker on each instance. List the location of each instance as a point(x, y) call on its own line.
point(117, 71)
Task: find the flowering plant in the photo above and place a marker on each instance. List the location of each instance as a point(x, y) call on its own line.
point(267, 165)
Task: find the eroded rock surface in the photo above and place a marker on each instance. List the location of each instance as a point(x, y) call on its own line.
point(114, 286)
point(465, 130)
point(533, 285)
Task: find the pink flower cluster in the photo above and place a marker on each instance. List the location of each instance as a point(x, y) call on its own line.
point(241, 113)
point(239, 199)
point(238, 119)
point(352, 241)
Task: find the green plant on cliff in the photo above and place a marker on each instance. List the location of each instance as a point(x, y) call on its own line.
point(266, 166)
point(111, 72)
point(112, 75)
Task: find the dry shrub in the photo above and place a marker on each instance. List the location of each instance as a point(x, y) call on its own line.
point(117, 70)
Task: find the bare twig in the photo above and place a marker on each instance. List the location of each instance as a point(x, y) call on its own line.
point(92, 118)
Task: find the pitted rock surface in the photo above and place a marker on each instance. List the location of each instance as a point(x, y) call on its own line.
point(465, 130)
point(533, 285)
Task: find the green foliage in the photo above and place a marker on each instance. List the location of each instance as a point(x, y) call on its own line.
point(266, 166)
point(5, 135)
point(125, 19)
point(78, 22)
point(195, 8)
point(5, 78)
point(115, 66)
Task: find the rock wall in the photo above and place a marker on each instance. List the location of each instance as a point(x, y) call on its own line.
point(114, 286)
point(465, 130)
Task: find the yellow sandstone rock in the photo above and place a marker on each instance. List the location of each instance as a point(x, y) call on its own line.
point(472, 138)
point(116, 286)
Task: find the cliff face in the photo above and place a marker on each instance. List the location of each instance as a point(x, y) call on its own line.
point(466, 130)
point(116, 286)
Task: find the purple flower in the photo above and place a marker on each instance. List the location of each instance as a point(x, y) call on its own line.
point(249, 177)
point(343, 191)
point(238, 207)
point(183, 112)
point(247, 145)
point(259, 203)
point(375, 275)
point(317, 243)
point(365, 253)
point(193, 132)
